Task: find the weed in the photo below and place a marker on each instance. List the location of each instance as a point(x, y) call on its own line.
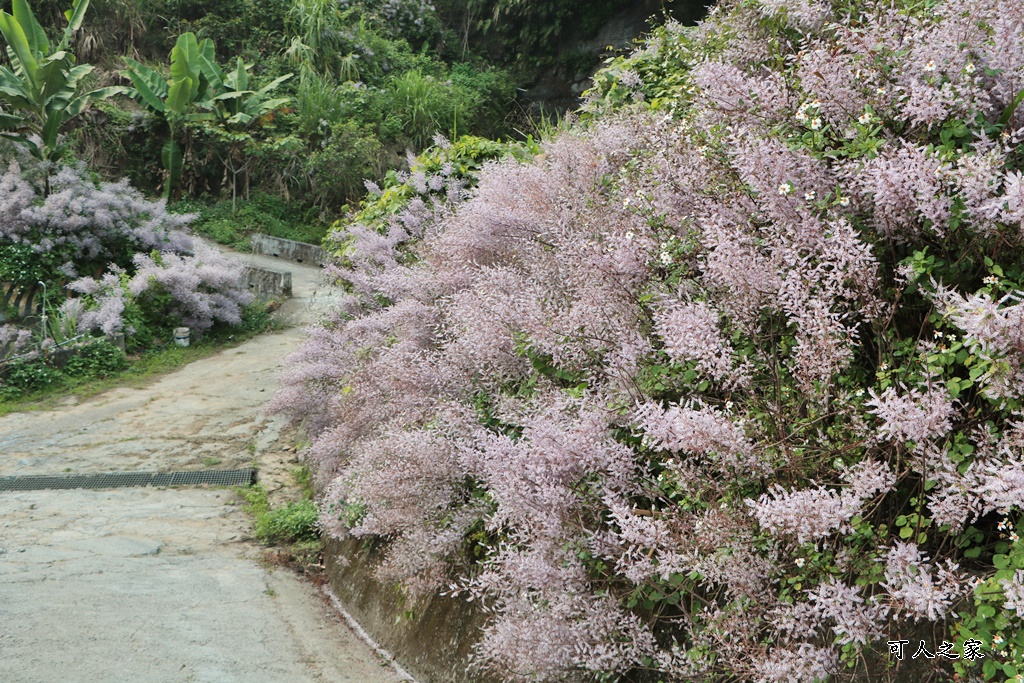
point(292, 523)
point(304, 479)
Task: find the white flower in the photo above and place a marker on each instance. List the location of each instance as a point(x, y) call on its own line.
point(997, 640)
point(864, 118)
point(785, 188)
point(844, 201)
point(666, 258)
point(969, 68)
point(800, 561)
point(801, 115)
point(629, 235)
point(879, 91)
point(809, 196)
point(990, 280)
point(1014, 537)
point(930, 66)
point(815, 124)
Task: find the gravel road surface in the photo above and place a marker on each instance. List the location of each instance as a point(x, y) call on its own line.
point(164, 585)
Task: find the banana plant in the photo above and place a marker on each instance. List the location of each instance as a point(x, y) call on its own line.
point(199, 91)
point(236, 110)
point(41, 89)
point(235, 107)
point(175, 100)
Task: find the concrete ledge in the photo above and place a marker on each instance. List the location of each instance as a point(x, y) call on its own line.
point(430, 637)
point(267, 283)
point(289, 250)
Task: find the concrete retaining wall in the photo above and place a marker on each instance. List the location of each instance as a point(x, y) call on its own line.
point(290, 250)
point(430, 637)
point(267, 283)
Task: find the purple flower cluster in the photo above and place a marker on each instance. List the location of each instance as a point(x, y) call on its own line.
point(86, 223)
point(202, 288)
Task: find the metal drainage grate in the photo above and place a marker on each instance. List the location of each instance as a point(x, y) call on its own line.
point(128, 479)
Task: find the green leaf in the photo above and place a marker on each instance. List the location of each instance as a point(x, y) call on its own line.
point(211, 71)
point(78, 105)
point(173, 160)
point(1001, 561)
point(241, 76)
point(179, 95)
point(10, 122)
point(76, 15)
point(1008, 114)
point(51, 128)
point(18, 43)
point(36, 35)
point(273, 84)
point(32, 147)
point(146, 94)
point(185, 73)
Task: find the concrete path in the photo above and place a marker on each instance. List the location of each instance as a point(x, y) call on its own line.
point(164, 585)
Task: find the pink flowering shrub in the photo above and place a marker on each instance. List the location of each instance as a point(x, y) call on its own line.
point(134, 266)
point(13, 340)
point(165, 290)
point(79, 226)
point(723, 384)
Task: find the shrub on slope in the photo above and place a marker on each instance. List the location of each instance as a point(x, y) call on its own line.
point(725, 386)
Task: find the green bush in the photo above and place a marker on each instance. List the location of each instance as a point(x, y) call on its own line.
point(264, 213)
point(293, 523)
point(97, 360)
point(346, 159)
point(23, 377)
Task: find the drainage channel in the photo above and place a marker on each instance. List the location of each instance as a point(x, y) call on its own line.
point(39, 482)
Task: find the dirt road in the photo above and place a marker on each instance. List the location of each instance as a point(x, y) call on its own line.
point(163, 585)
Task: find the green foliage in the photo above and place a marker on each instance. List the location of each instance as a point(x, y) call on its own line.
point(97, 360)
point(22, 264)
point(466, 157)
point(529, 31)
point(200, 93)
point(22, 377)
point(295, 522)
point(264, 213)
point(423, 105)
point(43, 87)
point(255, 319)
point(344, 161)
point(998, 629)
